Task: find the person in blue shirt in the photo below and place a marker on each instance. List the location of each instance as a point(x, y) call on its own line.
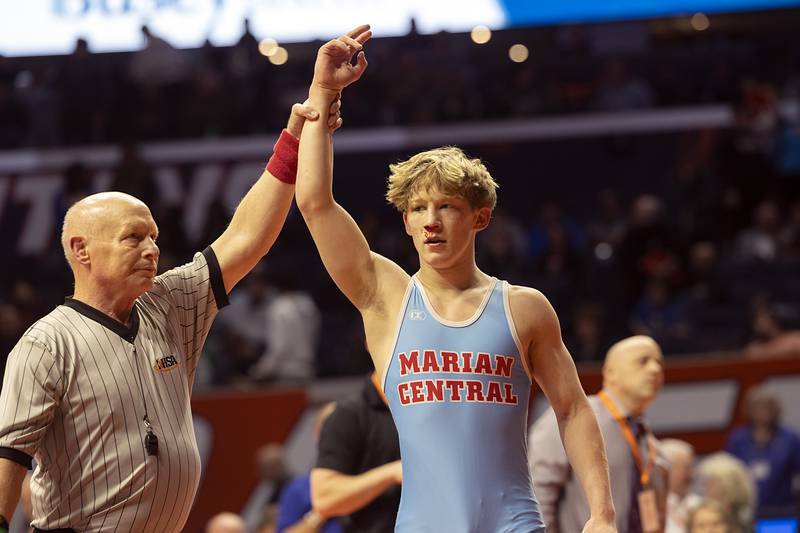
point(295, 514)
point(295, 511)
point(771, 452)
point(457, 349)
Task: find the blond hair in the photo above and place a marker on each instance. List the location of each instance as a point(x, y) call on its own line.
point(715, 507)
point(447, 170)
point(737, 492)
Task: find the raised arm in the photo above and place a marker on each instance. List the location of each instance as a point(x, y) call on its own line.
point(341, 244)
point(259, 217)
point(555, 373)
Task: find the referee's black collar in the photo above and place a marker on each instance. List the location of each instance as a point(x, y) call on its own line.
point(126, 332)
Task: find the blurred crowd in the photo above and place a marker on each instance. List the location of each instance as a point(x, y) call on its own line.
point(161, 92)
point(704, 261)
point(699, 249)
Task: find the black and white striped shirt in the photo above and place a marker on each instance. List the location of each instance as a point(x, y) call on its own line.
point(76, 388)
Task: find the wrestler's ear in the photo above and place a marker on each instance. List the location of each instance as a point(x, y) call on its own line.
point(482, 217)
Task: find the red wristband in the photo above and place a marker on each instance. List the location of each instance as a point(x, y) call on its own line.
point(283, 163)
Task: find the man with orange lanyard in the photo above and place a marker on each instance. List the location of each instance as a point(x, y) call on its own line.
point(633, 374)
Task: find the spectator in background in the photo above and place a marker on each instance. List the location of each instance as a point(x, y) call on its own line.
point(243, 326)
point(296, 514)
point(587, 338)
point(358, 472)
point(771, 452)
point(158, 63)
point(618, 89)
point(710, 517)
point(269, 520)
point(225, 523)
point(244, 53)
point(680, 501)
point(14, 121)
point(273, 476)
point(78, 184)
point(41, 102)
point(726, 480)
point(292, 328)
point(772, 337)
point(761, 241)
point(633, 374)
point(648, 248)
point(7, 71)
point(661, 316)
point(134, 175)
point(160, 76)
point(609, 225)
point(554, 223)
point(705, 286)
point(756, 118)
point(556, 244)
point(85, 91)
point(502, 248)
point(790, 234)
point(12, 325)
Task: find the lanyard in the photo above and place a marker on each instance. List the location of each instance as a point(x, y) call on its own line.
point(625, 427)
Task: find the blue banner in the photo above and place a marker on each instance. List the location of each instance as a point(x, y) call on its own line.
point(541, 12)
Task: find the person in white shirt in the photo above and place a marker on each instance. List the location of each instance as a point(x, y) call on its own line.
point(680, 500)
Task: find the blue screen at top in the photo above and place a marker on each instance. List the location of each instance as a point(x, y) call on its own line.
point(533, 12)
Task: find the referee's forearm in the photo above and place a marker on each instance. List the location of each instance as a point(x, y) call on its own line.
point(11, 477)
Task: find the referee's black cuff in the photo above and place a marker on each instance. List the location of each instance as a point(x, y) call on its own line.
point(215, 276)
point(21, 458)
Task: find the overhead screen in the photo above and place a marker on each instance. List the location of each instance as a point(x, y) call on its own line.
point(42, 27)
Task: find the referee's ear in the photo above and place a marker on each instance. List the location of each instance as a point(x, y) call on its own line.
point(80, 252)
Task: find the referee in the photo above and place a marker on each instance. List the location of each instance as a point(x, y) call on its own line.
point(98, 391)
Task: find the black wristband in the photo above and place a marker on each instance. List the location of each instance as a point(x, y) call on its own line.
point(3, 524)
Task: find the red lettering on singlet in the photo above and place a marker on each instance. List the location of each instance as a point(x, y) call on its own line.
point(455, 386)
point(466, 361)
point(510, 398)
point(435, 390)
point(416, 392)
point(430, 364)
point(450, 362)
point(503, 365)
point(402, 391)
point(484, 364)
point(493, 393)
point(409, 363)
point(474, 391)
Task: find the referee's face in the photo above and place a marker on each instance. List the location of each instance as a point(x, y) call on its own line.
point(125, 255)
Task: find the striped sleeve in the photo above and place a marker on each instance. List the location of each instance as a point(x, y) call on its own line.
point(194, 293)
point(32, 388)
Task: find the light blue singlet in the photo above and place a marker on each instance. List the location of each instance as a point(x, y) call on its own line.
point(459, 396)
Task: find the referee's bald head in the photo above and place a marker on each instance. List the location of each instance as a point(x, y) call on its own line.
point(104, 226)
point(93, 216)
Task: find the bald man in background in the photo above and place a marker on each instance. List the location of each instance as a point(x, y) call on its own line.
point(633, 374)
point(98, 390)
point(226, 523)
